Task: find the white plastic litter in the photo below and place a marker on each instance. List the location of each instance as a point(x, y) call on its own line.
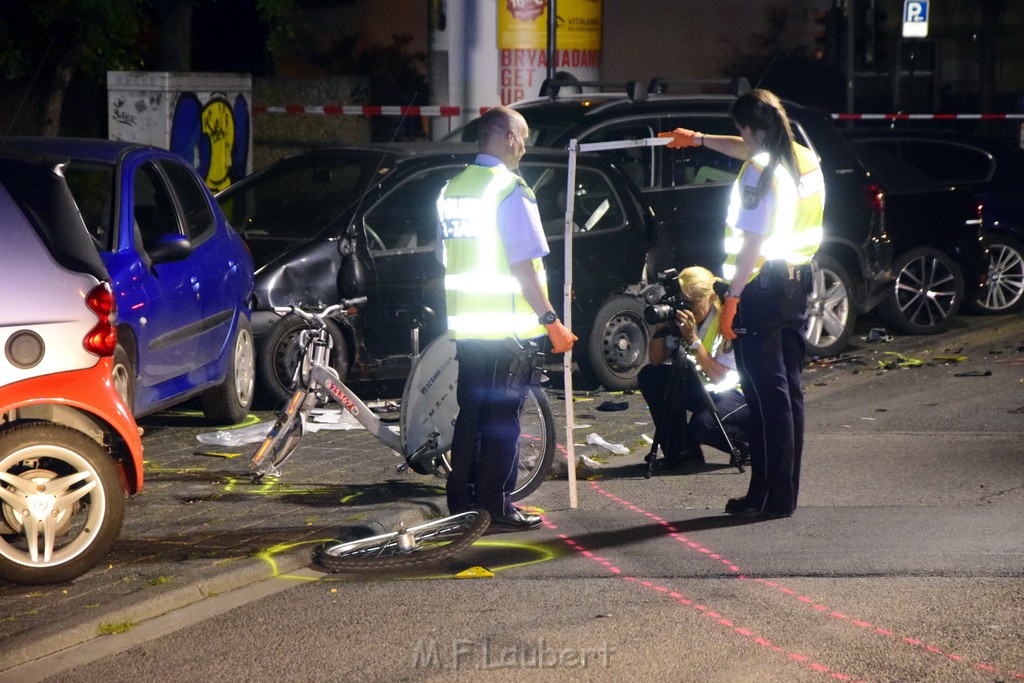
point(319, 418)
point(331, 418)
point(583, 463)
point(236, 437)
point(646, 439)
point(616, 448)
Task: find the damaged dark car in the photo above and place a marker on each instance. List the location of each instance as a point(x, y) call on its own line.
point(355, 220)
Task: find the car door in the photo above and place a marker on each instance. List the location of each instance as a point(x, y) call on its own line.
point(687, 189)
point(216, 261)
point(160, 301)
point(406, 272)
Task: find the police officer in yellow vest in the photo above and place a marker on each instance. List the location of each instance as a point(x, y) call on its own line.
point(671, 392)
point(492, 245)
point(773, 229)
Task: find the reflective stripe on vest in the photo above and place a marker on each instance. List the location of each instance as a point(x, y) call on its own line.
point(483, 298)
point(712, 341)
point(795, 230)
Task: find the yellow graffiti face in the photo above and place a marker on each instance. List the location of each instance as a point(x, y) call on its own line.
point(219, 127)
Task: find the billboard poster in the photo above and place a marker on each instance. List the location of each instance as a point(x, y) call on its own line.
point(523, 43)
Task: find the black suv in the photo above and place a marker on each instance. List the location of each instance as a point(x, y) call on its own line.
point(340, 222)
point(992, 171)
point(688, 191)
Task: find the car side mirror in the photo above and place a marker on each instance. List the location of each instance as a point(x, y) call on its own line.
point(169, 247)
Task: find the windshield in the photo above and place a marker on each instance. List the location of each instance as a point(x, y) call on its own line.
point(299, 198)
point(541, 134)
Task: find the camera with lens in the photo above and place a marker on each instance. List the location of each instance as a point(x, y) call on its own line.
point(663, 298)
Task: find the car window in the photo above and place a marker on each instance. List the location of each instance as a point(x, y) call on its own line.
point(406, 218)
point(699, 165)
point(93, 188)
point(893, 172)
point(635, 162)
point(153, 208)
point(298, 199)
point(597, 207)
point(199, 220)
point(948, 162)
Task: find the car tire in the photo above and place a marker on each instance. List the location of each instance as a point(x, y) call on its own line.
point(123, 377)
point(280, 354)
point(926, 294)
point(1004, 292)
point(617, 345)
point(89, 508)
point(831, 313)
point(229, 401)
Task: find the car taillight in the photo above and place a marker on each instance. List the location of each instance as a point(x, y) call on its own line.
point(102, 338)
point(875, 198)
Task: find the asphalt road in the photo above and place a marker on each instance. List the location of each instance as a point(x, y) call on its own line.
point(904, 562)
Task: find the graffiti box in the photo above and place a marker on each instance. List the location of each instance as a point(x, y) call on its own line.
point(205, 117)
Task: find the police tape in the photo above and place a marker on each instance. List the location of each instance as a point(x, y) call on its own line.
point(454, 110)
point(900, 116)
point(361, 110)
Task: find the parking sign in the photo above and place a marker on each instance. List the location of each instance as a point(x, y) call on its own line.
point(915, 18)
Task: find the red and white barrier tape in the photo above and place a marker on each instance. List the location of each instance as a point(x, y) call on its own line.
point(447, 111)
point(926, 117)
point(360, 110)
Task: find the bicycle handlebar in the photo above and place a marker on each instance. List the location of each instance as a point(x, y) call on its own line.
point(310, 315)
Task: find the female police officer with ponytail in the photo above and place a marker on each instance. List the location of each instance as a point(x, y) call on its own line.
point(773, 229)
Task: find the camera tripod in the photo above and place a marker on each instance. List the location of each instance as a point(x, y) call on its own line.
point(684, 369)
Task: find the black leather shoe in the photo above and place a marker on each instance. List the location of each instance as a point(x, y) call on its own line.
point(518, 520)
point(739, 507)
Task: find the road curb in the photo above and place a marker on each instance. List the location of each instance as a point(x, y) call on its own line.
point(191, 588)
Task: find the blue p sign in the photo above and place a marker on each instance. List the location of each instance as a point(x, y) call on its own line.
point(915, 18)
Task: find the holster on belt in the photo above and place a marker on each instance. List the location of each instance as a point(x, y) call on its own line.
point(527, 365)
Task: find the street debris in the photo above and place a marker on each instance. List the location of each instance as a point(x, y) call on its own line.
point(617, 448)
point(878, 334)
point(974, 373)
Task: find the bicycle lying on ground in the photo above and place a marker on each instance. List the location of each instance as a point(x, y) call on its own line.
point(426, 423)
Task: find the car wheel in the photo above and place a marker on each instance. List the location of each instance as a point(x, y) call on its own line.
point(280, 353)
point(1004, 292)
point(831, 315)
point(61, 503)
point(123, 377)
point(926, 295)
point(229, 401)
point(617, 345)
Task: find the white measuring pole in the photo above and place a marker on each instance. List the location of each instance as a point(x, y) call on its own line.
point(570, 208)
point(570, 416)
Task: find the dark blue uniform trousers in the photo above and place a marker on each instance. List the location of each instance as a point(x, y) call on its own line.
point(770, 349)
point(485, 455)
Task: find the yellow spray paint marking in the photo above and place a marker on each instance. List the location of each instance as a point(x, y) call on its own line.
point(267, 555)
point(346, 499)
point(950, 359)
point(215, 454)
point(900, 361)
point(475, 573)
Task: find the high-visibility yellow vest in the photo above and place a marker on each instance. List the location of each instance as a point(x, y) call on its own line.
point(484, 299)
point(712, 340)
point(796, 223)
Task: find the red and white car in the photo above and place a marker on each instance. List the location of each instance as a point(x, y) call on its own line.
point(70, 450)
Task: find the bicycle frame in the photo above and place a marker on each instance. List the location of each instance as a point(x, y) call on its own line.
point(427, 418)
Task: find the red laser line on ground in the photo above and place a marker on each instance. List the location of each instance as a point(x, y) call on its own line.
point(679, 598)
point(866, 625)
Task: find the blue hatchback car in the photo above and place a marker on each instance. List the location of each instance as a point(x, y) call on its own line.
point(181, 275)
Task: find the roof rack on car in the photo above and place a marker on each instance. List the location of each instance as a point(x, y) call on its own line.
point(551, 86)
point(733, 86)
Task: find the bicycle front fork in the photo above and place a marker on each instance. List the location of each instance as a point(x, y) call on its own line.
point(283, 437)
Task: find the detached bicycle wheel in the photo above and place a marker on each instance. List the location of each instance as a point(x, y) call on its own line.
point(432, 541)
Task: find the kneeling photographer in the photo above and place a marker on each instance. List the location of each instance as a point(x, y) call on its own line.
point(685, 312)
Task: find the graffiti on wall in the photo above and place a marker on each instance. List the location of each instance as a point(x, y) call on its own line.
point(213, 136)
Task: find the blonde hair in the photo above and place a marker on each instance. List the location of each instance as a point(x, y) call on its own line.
point(698, 283)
